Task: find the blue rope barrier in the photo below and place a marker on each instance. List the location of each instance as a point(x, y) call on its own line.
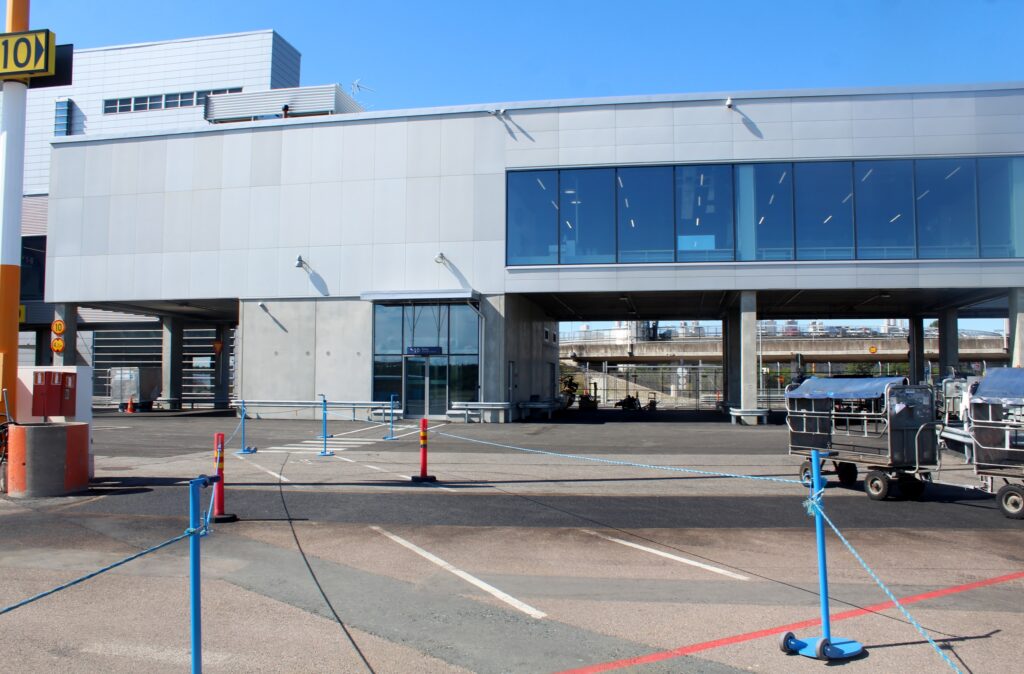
point(614, 462)
point(86, 577)
point(815, 504)
point(233, 433)
point(812, 504)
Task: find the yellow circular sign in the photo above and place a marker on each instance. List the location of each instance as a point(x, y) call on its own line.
point(872, 349)
point(58, 327)
point(57, 345)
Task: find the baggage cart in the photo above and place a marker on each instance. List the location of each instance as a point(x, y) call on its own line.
point(871, 422)
point(996, 425)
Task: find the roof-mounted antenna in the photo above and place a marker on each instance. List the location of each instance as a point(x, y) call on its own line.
point(356, 87)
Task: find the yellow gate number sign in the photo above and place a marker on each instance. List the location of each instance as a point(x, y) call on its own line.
point(26, 54)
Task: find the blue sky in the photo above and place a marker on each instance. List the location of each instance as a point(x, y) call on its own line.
point(420, 54)
point(417, 54)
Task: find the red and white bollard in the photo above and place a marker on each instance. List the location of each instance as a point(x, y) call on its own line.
point(218, 489)
point(423, 477)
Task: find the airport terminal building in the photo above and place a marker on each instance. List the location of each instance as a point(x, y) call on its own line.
point(431, 253)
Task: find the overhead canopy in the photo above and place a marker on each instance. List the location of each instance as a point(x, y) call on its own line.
point(1001, 385)
point(858, 387)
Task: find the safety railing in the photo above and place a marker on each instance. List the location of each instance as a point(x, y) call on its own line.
point(388, 410)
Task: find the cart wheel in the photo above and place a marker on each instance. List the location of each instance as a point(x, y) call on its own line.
point(784, 642)
point(847, 473)
point(821, 650)
point(911, 487)
point(876, 485)
point(1011, 501)
point(806, 474)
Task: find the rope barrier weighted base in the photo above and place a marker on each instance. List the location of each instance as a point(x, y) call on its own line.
point(825, 647)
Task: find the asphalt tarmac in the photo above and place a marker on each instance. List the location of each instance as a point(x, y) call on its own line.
point(513, 561)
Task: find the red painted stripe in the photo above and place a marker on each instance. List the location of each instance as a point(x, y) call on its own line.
point(750, 636)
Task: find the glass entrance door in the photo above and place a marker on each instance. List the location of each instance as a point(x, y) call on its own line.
point(426, 386)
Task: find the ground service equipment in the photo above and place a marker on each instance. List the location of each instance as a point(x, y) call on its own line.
point(996, 425)
point(874, 422)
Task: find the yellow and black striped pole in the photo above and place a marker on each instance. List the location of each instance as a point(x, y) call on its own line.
point(12, 173)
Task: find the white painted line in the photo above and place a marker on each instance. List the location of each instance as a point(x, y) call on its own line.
point(429, 428)
point(667, 555)
point(373, 467)
point(344, 459)
point(472, 580)
point(297, 450)
point(265, 470)
point(340, 441)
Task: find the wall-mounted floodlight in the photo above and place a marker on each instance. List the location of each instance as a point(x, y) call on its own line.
point(262, 305)
point(300, 263)
point(440, 258)
point(728, 102)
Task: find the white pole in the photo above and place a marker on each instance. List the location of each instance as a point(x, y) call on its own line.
point(12, 173)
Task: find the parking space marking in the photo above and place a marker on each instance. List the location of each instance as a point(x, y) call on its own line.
point(667, 555)
point(341, 441)
point(265, 470)
point(792, 627)
point(473, 580)
point(429, 428)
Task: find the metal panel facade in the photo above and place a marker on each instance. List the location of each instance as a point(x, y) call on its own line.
point(369, 199)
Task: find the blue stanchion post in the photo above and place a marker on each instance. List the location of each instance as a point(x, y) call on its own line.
point(823, 647)
point(323, 430)
point(246, 449)
point(195, 515)
point(391, 432)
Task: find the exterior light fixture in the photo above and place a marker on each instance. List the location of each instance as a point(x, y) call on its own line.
point(440, 258)
point(300, 263)
point(728, 102)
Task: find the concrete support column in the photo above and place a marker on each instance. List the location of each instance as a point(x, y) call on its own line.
point(1016, 317)
point(740, 354)
point(748, 349)
point(173, 336)
point(43, 354)
point(69, 314)
point(915, 338)
point(222, 368)
point(949, 342)
point(731, 359)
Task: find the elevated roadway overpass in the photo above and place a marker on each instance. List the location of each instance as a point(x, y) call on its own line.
point(990, 348)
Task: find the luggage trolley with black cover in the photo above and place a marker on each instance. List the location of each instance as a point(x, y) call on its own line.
point(996, 425)
point(874, 422)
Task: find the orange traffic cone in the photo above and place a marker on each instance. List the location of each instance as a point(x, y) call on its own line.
point(131, 406)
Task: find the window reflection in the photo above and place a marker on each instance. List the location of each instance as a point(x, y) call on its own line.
point(832, 210)
point(465, 330)
point(387, 330)
point(1001, 206)
point(586, 216)
point(704, 203)
point(532, 237)
point(824, 210)
point(764, 212)
point(645, 214)
point(947, 222)
point(427, 325)
point(884, 194)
